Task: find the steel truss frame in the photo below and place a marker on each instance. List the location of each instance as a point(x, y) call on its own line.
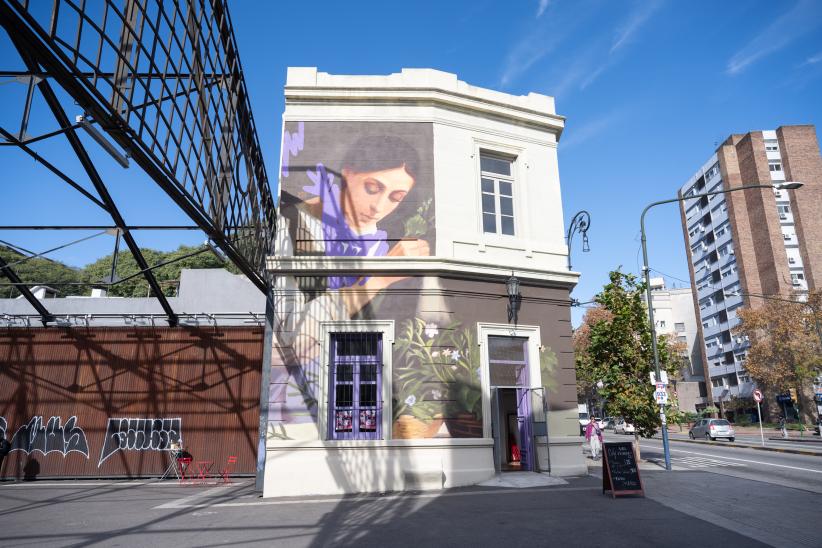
point(163, 82)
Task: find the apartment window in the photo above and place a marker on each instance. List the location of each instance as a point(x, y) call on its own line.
point(355, 406)
point(662, 323)
point(771, 146)
point(679, 326)
point(683, 339)
point(797, 278)
point(783, 208)
point(775, 166)
point(497, 195)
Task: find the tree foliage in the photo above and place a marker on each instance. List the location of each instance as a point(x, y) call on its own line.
point(54, 274)
point(39, 270)
point(614, 346)
point(785, 350)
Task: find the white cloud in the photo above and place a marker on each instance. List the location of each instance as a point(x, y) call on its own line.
point(634, 22)
point(813, 59)
point(543, 5)
point(590, 130)
point(803, 17)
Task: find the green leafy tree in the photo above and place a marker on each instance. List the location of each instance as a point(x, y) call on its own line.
point(617, 350)
point(167, 275)
point(40, 271)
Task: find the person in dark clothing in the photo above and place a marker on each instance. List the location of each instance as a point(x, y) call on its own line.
point(5, 449)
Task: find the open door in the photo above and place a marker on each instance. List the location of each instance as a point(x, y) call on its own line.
point(497, 430)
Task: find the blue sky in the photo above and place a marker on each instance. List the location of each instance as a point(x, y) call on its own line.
point(648, 89)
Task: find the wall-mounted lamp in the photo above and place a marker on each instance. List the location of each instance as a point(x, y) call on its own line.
point(512, 288)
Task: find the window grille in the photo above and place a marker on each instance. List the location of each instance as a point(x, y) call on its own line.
point(355, 395)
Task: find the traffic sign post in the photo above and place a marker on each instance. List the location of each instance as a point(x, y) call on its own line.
point(757, 395)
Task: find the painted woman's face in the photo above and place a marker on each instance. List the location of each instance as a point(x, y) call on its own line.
point(369, 196)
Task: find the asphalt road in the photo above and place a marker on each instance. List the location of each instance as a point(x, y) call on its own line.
point(784, 469)
point(810, 443)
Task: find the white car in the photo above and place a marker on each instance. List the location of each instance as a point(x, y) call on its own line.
point(622, 427)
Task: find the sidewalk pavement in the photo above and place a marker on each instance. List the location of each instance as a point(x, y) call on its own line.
point(680, 509)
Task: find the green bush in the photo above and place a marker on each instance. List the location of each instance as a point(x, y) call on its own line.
point(708, 411)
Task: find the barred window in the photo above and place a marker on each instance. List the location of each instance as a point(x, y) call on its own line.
point(355, 403)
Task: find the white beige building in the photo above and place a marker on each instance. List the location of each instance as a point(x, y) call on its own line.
point(406, 203)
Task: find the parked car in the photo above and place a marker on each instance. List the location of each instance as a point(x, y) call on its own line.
point(711, 429)
point(583, 418)
point(607, 423)
point(622, 427)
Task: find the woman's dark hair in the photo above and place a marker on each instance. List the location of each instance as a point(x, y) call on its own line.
point(380, 152)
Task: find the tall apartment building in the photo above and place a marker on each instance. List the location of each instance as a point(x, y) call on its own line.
point(754, 242)
point(674, 317)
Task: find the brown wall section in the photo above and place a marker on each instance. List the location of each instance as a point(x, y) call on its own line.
point(207, 378)
point(802, 162)
point(769, 251)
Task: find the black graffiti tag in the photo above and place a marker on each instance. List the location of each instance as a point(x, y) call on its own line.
point(126, 434)
point(51, 437)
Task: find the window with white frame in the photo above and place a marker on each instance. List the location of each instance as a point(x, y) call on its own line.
point(679, 326)
point(355, 386)
point(775, 165)
point(497, 185)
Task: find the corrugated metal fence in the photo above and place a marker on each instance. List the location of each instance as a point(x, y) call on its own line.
point(111, 402)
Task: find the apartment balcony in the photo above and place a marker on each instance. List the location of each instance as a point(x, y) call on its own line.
point(732, 300)
point(718, 216)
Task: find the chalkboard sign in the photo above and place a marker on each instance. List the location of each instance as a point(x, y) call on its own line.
point(620, 471)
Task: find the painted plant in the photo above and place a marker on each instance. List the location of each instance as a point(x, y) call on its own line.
point(437, 378)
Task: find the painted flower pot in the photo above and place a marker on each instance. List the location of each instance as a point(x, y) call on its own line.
point(409, 427)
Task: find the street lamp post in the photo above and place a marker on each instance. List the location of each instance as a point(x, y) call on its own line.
point(580, 222)
point(647, 273)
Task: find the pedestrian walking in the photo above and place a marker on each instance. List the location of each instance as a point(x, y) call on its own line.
point(593, 433)
point(782, 426)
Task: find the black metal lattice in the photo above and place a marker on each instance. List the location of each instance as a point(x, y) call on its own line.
point(163, 80)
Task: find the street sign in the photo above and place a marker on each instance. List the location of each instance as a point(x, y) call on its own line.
point(663, 377)
point(661, 397)
point(757, 394)
point(660, 386)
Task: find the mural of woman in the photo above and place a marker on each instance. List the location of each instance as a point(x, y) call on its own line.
point(348, 189)
point(352, 215)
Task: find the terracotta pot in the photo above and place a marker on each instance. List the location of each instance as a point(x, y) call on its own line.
point(434, 426)
point(409, 427)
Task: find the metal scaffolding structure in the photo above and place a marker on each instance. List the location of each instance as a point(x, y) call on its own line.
point(159, 85)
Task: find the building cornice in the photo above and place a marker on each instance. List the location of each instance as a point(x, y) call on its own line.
point(416, 266)
point(420, 88)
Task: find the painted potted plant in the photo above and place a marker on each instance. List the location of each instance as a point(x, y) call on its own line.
point(439, 380)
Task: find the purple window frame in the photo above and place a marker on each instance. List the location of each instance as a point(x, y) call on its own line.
point(350, 417)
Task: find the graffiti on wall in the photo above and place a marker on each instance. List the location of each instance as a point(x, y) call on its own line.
point(47, 437)
point(136, 434)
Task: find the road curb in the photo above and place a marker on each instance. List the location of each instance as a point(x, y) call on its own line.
point(806, 452)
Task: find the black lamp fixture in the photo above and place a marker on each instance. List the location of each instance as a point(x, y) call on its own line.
point(512, 288)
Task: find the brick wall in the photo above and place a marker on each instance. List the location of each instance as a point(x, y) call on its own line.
point(802, 162)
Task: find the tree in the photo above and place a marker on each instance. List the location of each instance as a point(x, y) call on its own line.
point(78, 281)
point(167, 275)
point(40, 271)
point(785, 350)
point(614, 346)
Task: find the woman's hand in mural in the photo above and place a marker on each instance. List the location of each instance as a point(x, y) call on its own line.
point(410, 248)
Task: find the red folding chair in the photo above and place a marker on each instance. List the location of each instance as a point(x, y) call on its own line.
point(225, 473)
point(183, 463)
